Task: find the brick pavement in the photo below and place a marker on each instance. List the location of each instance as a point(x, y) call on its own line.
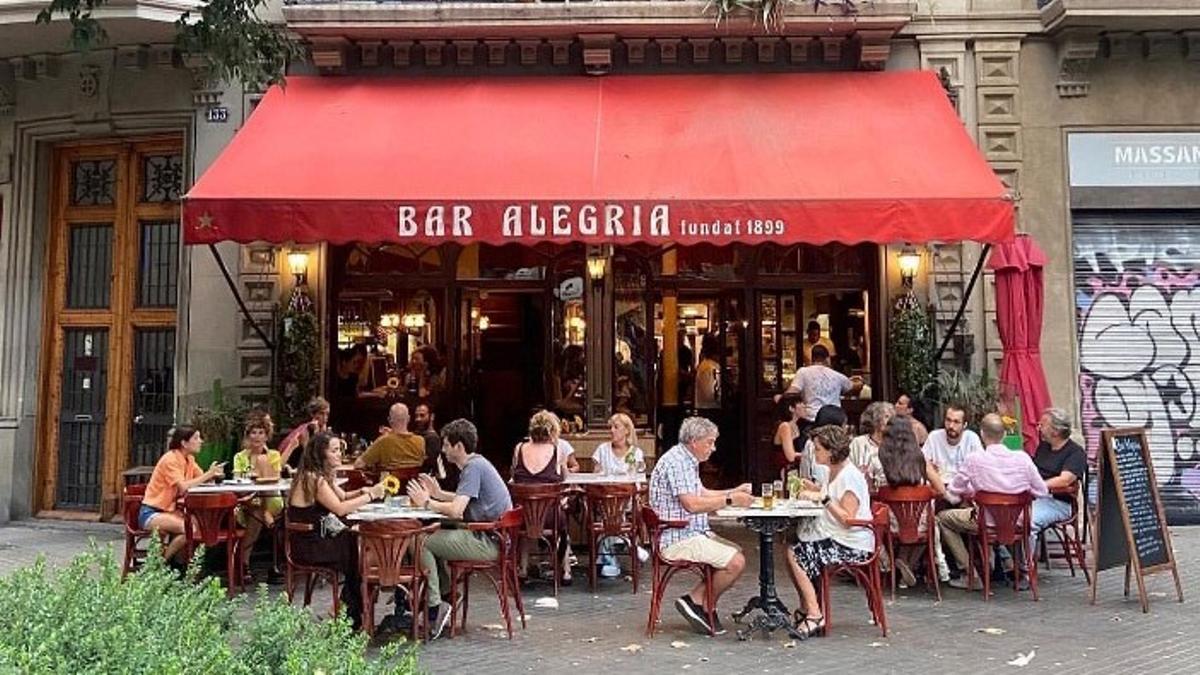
point(589, 631)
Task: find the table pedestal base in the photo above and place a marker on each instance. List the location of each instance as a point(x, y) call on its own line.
point(774, 614)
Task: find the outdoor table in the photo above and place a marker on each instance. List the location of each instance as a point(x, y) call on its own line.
point(603, 478)
point(242, 488)
point(766, 522)
point(383, 511)
point(239, 487)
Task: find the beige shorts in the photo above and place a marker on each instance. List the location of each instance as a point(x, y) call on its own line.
point(710, 550)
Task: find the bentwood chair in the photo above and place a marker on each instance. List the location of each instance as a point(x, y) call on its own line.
point(866, 574)
point(1070, 543)
point(609, 514)
point(1001, 519)
point(662, 570)
point(210, 520)
point(912, 511)
point(502, 571)
point(389, 558)
point(542, 508)
point(311, 572)
point(135, 554)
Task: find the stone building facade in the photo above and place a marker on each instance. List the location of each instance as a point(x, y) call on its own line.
point(1027, 75)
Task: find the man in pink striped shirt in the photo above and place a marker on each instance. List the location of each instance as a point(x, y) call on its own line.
point(996, 469)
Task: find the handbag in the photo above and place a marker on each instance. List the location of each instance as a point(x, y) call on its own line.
point(331, 526)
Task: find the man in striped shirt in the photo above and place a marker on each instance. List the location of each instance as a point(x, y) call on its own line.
point(677, 494)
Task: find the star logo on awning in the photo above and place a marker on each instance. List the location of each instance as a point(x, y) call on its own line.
point(205, 222)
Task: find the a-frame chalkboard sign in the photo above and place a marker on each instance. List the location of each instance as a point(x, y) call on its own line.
point(1130, 527)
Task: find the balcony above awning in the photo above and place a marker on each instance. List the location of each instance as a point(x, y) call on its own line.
point(814, 158)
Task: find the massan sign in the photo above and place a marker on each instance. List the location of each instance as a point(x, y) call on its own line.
point(1134, 159)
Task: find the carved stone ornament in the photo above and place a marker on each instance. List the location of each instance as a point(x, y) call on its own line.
point(1076, 52)
point(89, 81)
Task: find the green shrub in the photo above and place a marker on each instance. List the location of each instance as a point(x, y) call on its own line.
point(84, 619)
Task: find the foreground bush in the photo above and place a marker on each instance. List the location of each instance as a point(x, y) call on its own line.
point(84, 619)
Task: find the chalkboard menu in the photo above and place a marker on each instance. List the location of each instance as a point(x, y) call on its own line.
point(1141, 508)
point(1130, 527)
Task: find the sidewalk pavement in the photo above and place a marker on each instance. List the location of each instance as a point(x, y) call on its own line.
point(605, 631)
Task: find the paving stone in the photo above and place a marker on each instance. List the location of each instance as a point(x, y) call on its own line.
point(590, 632)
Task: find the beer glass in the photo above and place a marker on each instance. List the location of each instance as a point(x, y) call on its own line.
point(777, 488)
point(768, 495)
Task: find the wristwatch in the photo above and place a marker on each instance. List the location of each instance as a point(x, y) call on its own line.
point(825, 500)
point(729, 498)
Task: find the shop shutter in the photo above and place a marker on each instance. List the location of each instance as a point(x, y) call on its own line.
point(1137, 298)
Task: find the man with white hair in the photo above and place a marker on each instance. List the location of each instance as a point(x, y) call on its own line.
point(677, 494)
point(1061, 462)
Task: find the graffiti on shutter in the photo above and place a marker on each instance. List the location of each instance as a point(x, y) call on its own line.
point(1137, 287)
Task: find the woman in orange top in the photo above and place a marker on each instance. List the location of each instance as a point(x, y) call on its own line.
point(175, 473)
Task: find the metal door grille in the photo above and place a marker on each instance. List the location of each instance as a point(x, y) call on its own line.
point(81, 418)
point(153, 394)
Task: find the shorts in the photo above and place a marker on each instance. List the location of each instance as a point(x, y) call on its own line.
point(707, 549)
point(145, 514)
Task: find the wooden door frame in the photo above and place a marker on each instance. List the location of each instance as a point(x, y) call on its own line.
point(122, 319)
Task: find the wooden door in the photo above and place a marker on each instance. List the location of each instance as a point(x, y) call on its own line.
point(112, 286)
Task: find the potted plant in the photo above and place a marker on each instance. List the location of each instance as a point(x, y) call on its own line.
point(219, 424)
point(979, 394)
point(910, 346)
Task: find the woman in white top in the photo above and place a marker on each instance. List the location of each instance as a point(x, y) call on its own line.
point(831, 541)
point(864, 449)
point(613, 457)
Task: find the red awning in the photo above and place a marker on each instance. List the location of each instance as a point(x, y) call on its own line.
point(848, 157)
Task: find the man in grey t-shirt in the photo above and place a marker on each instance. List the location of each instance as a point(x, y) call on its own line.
point(481, 496)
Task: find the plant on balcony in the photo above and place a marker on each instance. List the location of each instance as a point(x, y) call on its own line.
point(772, 13)
point(233, 42)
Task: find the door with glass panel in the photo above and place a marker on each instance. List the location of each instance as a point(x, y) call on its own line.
point(112, 284)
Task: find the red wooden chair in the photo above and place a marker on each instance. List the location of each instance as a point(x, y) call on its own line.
point(210, 520)
point(866, 573)
point(311, 572)
point(135, 555)
point(502, 571)
point(911, 506)
point(662, 570)
point(389, 557)
point(1001, 519)
point(609, 515)
point(1068, 532)
point(542, 507)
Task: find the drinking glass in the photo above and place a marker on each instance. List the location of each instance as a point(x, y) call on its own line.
point(777, 488)
point(768, 495)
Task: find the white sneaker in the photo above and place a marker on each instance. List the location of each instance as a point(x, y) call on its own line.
point(610, 571)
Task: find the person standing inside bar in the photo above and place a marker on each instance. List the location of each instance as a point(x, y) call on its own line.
point(819, 384)
point(707, 395)
point(813, 338)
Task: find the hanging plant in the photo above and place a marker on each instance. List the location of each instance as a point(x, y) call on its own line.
point(299, 355)
point(910, 345)
point(771, 14)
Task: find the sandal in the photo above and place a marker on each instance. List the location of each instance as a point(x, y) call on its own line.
point(808, 627)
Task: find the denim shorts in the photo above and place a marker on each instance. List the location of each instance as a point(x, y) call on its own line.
point(145, 514)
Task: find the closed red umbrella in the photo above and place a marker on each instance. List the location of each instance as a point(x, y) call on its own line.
point(1019, 305)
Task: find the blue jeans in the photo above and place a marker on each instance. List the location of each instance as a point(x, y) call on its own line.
point(1044, 512)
